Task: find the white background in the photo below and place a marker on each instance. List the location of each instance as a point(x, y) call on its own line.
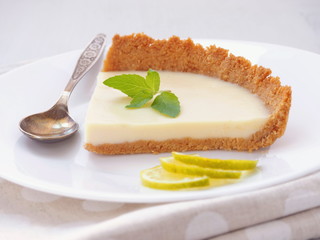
point(35, 29)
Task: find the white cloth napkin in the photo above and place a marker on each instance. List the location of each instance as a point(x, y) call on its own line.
point(285, 211)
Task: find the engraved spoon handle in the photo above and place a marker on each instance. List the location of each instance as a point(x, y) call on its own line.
point(87, 59)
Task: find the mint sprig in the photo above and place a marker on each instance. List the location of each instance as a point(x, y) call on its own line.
point(142, 90)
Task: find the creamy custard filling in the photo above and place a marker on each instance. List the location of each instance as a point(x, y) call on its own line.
point(210, 108)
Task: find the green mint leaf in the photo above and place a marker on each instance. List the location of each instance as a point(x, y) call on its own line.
point(167, 103)
point(142, 90)
point(153, 80)
point(140, 99)
point(130, 84)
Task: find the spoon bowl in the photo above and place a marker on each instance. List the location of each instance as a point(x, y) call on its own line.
point(56, 124)
point(50, 126)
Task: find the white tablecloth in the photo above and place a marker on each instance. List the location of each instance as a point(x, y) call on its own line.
point(287, 211)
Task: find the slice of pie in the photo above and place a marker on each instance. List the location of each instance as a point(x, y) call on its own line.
point(226, 102)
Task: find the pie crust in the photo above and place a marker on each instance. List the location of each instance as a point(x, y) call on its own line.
point(141, 52)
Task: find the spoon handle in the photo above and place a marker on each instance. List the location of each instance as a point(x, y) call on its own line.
point(87, 59)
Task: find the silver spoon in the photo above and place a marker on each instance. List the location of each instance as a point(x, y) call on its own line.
point(56, 124)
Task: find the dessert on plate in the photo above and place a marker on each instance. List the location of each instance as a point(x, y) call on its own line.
point(226, 102)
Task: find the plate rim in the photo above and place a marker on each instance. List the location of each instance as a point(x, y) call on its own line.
point(247, 188)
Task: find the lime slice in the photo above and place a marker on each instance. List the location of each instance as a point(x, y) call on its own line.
point(158, 178)
point(171, 165)
point(230, 164)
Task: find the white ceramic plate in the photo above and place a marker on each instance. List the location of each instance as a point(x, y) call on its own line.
point(67, 169)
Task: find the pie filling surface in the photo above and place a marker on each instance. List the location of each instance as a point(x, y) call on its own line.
point(210, 108)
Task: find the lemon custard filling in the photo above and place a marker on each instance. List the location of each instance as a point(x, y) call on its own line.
point(210, 108)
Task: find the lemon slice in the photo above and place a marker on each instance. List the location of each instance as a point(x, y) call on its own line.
point(171, 165)
point(158, 178)
point(230, 164)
